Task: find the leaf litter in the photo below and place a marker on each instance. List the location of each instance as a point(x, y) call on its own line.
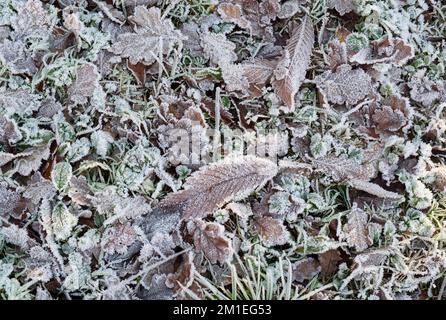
point(174, 150)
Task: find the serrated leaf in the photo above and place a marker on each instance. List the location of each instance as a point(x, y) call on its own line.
point(345, 85)
point(87, 80)
point(63, 221)
point(152, 35)
point(30, 160)
point(219, 49)
point(9, 131)
point(209, 238)
point(219, 183)
point(61, 175)
point(117, 238)
point(290, 71)
point(272, 231)
point(356, 233)
point(374, 189)
point(341, 6)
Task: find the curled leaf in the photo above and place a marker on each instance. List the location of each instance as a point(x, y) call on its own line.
point(209, 238)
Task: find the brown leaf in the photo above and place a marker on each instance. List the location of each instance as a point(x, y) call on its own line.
point(233, 13)
point(385, 50)
point(341, 6)
point(290, 71)
point(337, 54)
point(219, 183)
point(87, 80)
point(305, 269)
point(61, 39)
point(345, 85)
point(372, 258)
point(218, 48)
point(356, 233)
point(375, 189)
point(111, 12)
point(138, 70)
point(272, 232)
point(329, 261)
point(9, 131)
point(387, 119)
point(342, 168)
point(144, 44)
point(118, 238)
point(209, 238)
point(184, 274)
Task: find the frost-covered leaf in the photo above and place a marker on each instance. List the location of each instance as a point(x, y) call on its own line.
point(385, 50)
point(9, 131)
point(356, 233)
point(21, 102)
point(101, 141)
point(31, 20)
point(288, 9)
point(233, 13)
point(319, 146)
point(345, 85)
point(305, 269)
point(341, 6)
point(272, 231)
point(153, 34)
point(87, 80)
point(329, 261)
point(63, 221)
point(220, 182)
point(219, 49)
point(111, 12)
point(389, 119)
point(15, 55)
point(372, 258)
point(425, 90)
point(49, 108)
point(184, 275)
point(9, 200)
point(290, 71)
point(79, 190)
point(374, 189)
point(39, 188)
point(117, 238)
point(16, 236)
point(209, 238)
point(157, 290)
point(31, 160)
point(248, 77)
point(112, 205)
point(342, 168)
point(61, 175)
point(78, 150)
point(336, 55)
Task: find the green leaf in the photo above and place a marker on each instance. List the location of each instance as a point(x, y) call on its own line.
point(61, 175)
point(63, 221)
